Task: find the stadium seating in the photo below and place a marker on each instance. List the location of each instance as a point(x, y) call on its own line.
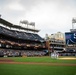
point(15, 43)
point(20, 35)
point(16, 53)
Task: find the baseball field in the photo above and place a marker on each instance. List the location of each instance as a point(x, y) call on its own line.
point(37, 66)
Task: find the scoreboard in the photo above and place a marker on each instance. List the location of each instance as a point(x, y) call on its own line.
point(70, 38)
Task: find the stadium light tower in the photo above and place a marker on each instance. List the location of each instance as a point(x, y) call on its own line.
point(32, 24)
point(0, 15)
point(27, 23)
point(73, 22)
point(24, 22)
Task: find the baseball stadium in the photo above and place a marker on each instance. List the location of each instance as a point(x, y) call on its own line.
point(24, 52)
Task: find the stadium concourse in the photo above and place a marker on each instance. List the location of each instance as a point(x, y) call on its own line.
point(14, 42)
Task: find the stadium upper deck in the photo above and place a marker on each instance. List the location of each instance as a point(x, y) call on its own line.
point(10, 25)
point(14, 38)
point(20, 35)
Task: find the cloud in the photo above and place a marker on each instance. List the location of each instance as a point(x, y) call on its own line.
point(15, 5)
point(50, 16)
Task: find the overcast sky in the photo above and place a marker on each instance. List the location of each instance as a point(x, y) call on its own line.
point(50, 16)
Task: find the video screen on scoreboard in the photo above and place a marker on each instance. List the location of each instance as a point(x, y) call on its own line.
point(70, 38)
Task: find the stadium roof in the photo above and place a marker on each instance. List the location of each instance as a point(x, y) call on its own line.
point(6, 23)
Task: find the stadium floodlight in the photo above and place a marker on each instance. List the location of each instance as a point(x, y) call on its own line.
point(32, 23)
point(0, 15)
point(74, 20)
point(24, 22)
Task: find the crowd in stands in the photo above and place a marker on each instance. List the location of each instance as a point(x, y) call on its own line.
point(20, 35)
point(11, 40)
point(17, 53)
point(67, 54)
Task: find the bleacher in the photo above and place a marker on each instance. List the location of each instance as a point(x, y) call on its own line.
point(20, 35)
point(10, 38)
point(17, 53)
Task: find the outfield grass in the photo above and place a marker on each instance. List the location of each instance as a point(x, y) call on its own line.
point(40, 59)
point(16, 69)
point(33, 69)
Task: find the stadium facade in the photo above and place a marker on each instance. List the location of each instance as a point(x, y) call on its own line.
point(56, 41)
point(18, 38)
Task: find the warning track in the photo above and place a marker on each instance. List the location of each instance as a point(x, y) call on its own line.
point(37, 63)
